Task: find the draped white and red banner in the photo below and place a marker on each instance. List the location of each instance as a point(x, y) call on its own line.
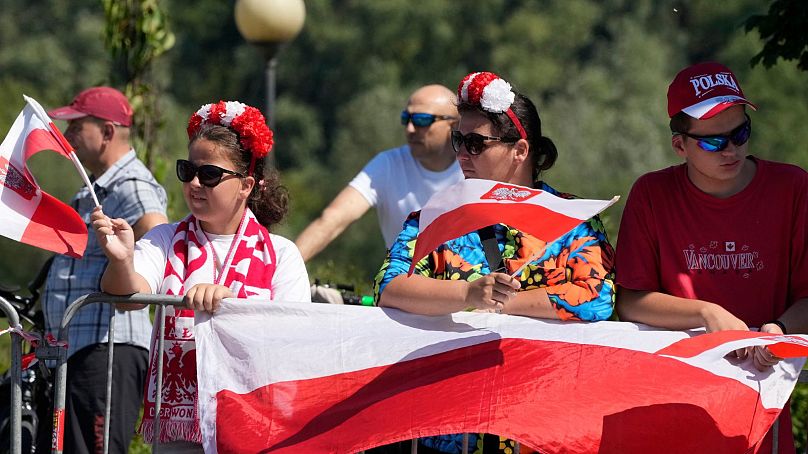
point(297, 377)
point(28, 214)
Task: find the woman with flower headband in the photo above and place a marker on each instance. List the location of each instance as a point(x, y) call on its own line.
point(499, 137)
point(222, 249)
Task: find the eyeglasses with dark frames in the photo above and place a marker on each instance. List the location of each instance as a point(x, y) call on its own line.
point(209, 174)
point(475, 143)
point(420, 119)
point(719, 142)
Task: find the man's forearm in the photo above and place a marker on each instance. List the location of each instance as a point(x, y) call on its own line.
point(316, 237)
point(795, 318)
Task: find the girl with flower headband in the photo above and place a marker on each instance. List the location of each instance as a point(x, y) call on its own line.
point(222, 249)
point(499, 137)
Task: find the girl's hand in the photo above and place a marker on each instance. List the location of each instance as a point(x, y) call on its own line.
point(116, 237)
point(206, 297)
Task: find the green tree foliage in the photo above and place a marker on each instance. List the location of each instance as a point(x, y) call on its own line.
point(597, 69)
point(783, 30)
point(136, 34)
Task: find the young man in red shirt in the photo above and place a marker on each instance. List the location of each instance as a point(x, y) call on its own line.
point(721, 240)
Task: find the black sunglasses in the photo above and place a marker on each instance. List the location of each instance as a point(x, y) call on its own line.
point(209, 174)
point(475, 143)
point(422, 119)
point(719, 142)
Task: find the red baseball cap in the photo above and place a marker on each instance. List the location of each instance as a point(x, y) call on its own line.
point(101, 102)
point(704, 90)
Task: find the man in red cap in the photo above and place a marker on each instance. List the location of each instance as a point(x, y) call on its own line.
point(99, 121)
point(719, 241)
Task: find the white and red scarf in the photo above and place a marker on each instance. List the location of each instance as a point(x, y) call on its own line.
point(247, 270)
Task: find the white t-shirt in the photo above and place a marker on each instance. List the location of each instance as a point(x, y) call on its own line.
point(396, 184)
point(289, 283)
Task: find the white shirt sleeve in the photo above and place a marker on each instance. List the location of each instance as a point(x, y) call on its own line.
point(367, 180)
point(151, 254)
point(291, 280)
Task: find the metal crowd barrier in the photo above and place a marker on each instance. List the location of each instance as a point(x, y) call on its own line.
point(775, 430)
point(148, 299)
point(61, 365)
point(16, 378)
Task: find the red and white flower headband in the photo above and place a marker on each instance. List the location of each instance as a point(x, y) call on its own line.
point(492, 93)
point(248, 122)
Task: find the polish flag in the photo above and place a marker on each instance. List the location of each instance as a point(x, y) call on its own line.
point(297, 377)
point(476, 203)
point(30, 215)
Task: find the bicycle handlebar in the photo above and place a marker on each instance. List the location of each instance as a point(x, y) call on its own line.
point(24, 305)
point(346, 293)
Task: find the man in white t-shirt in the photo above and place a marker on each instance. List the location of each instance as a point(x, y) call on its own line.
point(398, 181)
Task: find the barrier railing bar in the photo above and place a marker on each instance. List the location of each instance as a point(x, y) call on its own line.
point(110, 357)
point(803, 378)
point(61, 368)
point(159, 387)
point(776, 436)
point(16, 378)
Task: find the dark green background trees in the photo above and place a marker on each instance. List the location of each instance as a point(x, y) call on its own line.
point(597, 69)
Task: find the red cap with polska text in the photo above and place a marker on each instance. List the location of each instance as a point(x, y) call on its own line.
point(704, 90)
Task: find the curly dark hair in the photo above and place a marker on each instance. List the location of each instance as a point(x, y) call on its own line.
point(269, 199)
point(543, 151)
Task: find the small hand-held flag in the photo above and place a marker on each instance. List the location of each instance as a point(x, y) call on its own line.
point(30, 215)
point(476, 203)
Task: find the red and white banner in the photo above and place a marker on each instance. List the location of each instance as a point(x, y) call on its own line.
point(297, 377)
point(30, 215)
point(475, 203)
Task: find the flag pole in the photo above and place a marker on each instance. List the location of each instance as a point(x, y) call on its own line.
point(43, 117)
point(538, 253)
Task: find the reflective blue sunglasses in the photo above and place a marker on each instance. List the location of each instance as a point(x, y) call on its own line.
point(716, 143)
point(422, 119)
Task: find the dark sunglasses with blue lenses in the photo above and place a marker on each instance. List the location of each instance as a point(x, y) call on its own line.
point(716, 143)
point(475, 143)
point(209, 174)
point(422, 119)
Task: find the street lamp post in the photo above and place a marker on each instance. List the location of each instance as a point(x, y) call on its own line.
point(269, 24)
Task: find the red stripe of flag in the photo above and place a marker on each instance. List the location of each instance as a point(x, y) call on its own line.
point(612, 401)
point(543, 223)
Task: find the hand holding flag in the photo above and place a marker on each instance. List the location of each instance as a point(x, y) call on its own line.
point(30, 215)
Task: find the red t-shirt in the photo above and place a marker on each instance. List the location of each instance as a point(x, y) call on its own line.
point(746, 253)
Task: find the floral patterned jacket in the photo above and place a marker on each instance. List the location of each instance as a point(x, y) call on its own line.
point(576, 270)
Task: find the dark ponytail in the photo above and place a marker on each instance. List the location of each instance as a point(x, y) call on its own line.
point(545, 157)
point(269, 199)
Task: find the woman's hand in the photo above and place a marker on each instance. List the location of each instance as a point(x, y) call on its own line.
point(116, 237)
point(491, 292)
point(206, 297)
